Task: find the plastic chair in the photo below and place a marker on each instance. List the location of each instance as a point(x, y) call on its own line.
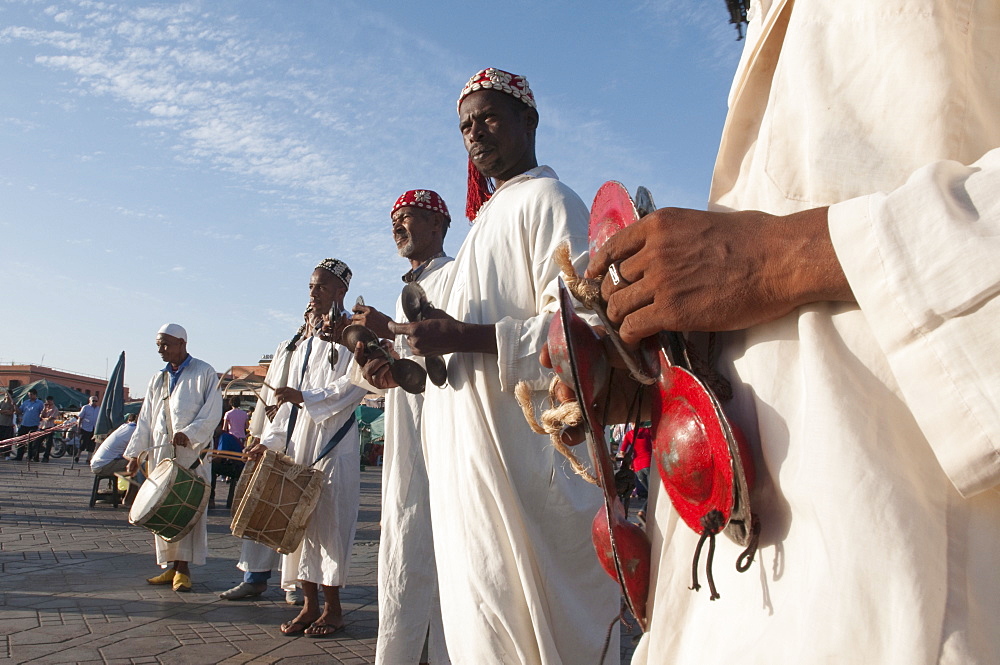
point(116, 497)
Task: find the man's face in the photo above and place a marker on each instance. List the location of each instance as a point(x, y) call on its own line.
point(498, 132)
point(417, 232)
point(93, 401)
point(171, 349)
point(325, 288)
point(32, 395)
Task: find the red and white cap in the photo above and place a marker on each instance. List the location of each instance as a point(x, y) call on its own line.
point(421, 198)
point(492, 78)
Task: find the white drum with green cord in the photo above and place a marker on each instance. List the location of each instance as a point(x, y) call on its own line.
point(170, 501)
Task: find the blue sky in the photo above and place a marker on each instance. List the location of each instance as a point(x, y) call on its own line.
point(191, 162)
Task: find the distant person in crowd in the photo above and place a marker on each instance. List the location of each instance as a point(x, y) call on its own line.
point(29, 412)
point(638, 445)
point(221, 466)
point(47, 421)
point(73, 433)
point(235, 421)
point(517, 573)
point(88, 421)
point(316, 420)
point(7, 411)
point(109, 457)
point(409, 609)
point(188, 388)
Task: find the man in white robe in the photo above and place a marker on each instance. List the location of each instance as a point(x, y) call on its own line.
point(317, 408)
point(180, 412)
point(409, 609)
point(518, 575)
point(864, 313)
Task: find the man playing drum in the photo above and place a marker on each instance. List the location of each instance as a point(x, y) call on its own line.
point(316, 421)
point(518, 576)
point(409, 611)
point(180, 411)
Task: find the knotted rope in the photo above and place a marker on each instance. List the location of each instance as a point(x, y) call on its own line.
point(555, 421)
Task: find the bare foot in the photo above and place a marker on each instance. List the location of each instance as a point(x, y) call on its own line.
point(321, 629)
point(299, 624)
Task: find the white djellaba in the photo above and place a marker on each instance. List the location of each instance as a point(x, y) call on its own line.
point(329, 401)
point(519, 579)
point(195, 409)
point(875, 425)
point(409, 608)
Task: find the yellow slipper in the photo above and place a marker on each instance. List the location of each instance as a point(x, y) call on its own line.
point(166, 577)
point(182, 582)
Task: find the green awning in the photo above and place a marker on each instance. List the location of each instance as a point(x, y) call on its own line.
point(66, 398)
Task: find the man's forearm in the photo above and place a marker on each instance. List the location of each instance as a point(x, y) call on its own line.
point(480, 338)
point(807, 266)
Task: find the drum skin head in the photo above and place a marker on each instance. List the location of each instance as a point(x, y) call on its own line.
point(276, 502)
point(170, 502)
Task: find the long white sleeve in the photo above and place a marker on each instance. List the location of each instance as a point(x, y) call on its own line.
point(923, 263)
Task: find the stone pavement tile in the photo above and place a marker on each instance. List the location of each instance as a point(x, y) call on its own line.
point(58, 658)
point(11, 626)
point(48, 635)
point(241, 658)
point(135, 646)
point(299, 647)
point(205, 653)
point(10, 614)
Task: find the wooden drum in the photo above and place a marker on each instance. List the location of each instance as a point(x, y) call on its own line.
point(276, 502)
point(170, 501)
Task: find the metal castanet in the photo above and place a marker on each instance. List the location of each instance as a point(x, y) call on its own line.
point(622, 547)
point(696, 452)
point(415, 307)
point(409, 375)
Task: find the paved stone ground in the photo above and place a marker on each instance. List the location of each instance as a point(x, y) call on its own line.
point(73, 590)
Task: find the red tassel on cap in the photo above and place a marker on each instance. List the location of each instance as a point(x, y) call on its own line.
point(479, 191)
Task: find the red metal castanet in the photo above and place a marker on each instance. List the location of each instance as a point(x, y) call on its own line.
point(622, 548)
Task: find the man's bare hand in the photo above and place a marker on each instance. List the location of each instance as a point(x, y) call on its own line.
point(692, 270)
point(288, 395)
point(375, 367)
point(622, 389)
point(270, 411)
point(132, 467)
point(331, 331)
point(181, 440)
point(374, 320)
point(439, 334)
point(255, 452)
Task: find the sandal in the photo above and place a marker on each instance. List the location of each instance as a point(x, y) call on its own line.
point(321, 630)
point(293, 628)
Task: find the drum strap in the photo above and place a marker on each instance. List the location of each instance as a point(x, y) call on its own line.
point(294, 415)
point(336, 438)
point(170, 420)
point(165, 389)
